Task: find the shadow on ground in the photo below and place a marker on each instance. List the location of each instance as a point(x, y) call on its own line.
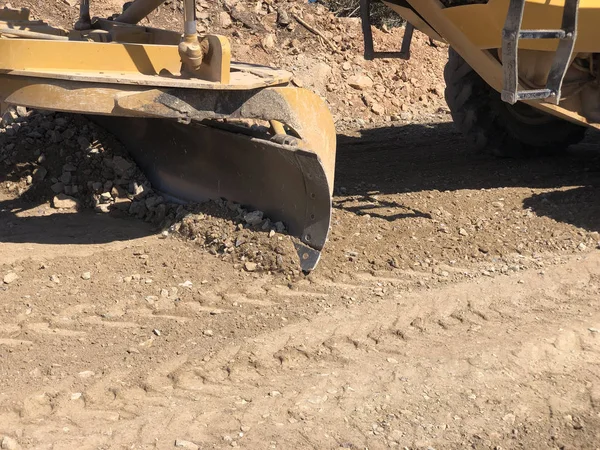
point(426, 157)
point(84, 227)
point(389, 160)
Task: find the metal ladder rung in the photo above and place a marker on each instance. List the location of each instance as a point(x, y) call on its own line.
point(511, 34)
point(543, 34)
point(534, 94)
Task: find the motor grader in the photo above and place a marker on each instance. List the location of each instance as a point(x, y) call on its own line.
point(521, 80)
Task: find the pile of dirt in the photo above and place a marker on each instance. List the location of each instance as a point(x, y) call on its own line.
point(74, 164)
point(331, 63)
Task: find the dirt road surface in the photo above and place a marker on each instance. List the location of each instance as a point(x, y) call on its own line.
point(456, 306)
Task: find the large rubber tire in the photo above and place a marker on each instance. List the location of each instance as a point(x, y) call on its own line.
point(495, 127)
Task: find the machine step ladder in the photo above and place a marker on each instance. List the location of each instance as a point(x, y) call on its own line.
point(511, 34)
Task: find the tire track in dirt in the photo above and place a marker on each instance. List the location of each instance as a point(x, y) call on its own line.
point(498, 362)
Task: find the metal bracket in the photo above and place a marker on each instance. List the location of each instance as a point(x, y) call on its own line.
point(511, 34)
point(370, 54)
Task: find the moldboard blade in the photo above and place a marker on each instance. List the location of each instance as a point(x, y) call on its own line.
point(196, 162)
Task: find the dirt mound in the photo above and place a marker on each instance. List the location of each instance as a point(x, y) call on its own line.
point(74, 164)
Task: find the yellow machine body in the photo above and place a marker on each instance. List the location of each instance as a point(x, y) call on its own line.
point(475, 32)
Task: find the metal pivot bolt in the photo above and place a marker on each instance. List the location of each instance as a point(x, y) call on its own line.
point(191, 49)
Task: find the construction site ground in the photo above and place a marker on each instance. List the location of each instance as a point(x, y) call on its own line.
point(456, 304)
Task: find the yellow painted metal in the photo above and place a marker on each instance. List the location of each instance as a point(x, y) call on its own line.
point(314, 125)
point(486, 65)
point(70, 56)
point(131, 64)
point(410, 16)
point(62, 95)
point(108, 60)
point(14, 14)
point(277, 127)
point(216, 63)
point(307, 114)
point(482, 23)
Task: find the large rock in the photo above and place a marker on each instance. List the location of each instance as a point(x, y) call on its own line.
point(360, 82)
point(10, 277)
point(225, 19)
point(62, 201)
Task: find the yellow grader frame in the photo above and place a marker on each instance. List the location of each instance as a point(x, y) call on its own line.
point(543, 54)
point(184, 111)
point(476, 32)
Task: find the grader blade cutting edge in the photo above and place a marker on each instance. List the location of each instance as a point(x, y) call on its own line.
point(200, 126)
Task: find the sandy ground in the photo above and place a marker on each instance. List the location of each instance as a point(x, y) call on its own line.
point(456, 304)
point(113, 338)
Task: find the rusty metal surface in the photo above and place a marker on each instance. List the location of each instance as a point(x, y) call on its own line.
point(196, 162)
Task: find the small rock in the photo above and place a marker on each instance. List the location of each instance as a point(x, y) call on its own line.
point(271, 233)
point(55, 279)
point(152, 202)
point(463, 232)
point(121, 165)
point(208, 333)
point(58, 187)
point(62, 201)
point(86, 275)
point(250, 266)
point(186, 284)
point(123, 204)
point(378, 109)
point(10, 277)
point(498, 205)
point(103, 208)
point(268, 41)
point(254, 217)
point(66, 177)
point(21, 111)
point(225, 19)
point(164, 293)
point(40, 173)
point(86, 374)
point(582, 246)
point(156, 332)
point(360, 82)
point(283, 17)
point(9, 444)
point(186, 444)
point(76, 396)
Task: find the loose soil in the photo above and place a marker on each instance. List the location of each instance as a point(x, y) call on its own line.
point(456, 304)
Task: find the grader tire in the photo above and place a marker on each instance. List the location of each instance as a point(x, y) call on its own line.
point(495, 127)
